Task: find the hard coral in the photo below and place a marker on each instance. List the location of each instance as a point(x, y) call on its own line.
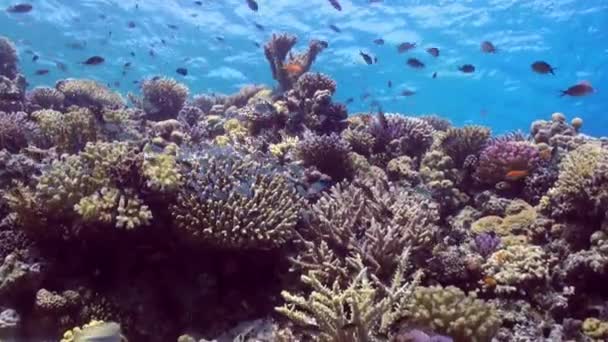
point(311, 82)
point(276, 50)
point(68, 131)
point(401, 135)
point(451, 312)
point(89, 94)
point(460, 143)
point(8, 58)
point(12, 93)
point(498, 159)
point(163, 98)
point(234, 201)
point(517, 267)
point(15, 131)
point(47, 98)
point(328, 153)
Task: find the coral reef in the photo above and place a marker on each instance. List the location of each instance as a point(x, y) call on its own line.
point(172, 218)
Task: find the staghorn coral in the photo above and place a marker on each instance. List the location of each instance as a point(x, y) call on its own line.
point(8, 58)
point(400, 135)
point(47, 98)
point(575, 193)
point(517, 267)
point(68, 131)
point(234, 201)
point(163, 98)
point(499, 158)
point(451, 312)
point(276, 51)
point(363, 311)
point(89, 94)
point(15, 131)
point(328, 153)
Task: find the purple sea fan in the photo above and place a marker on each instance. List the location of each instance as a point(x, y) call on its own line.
point(498, 160)
point(486, 243)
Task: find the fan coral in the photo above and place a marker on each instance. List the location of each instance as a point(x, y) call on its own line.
point(401, 135)
point(460, 143)
point(451, 312)
point(328, 153)
point(70, 131)
point(498, 159)
point(276, 50)
point(234, 201)
point(89, 94)
point(47, 98)
point(8, 58)
point(517, 267)
point(360, 312)
point(15, 131)
point(163, 98)
point(575, 193)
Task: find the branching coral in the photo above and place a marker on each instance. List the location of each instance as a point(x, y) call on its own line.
point(576, 193)
point(442, 178)
point(8, 58)
point(68, 131)
point(163, 98)
point(12, 93)
point(363, 311)
point(460, 143)
point(234, 201)
point(400, 135)
point(328, 153)
point(89, 94)
point(451, 312)
point(438, 123)
point(276, 50)
point(499, 159)
point(47, 98)
point(15, 131)
point(161, 169)
point(89, 187)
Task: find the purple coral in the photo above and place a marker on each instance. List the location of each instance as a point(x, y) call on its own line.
point(276, 51)
point(486, 243)
point(311, 82)
point(497, 160)
point(328, 153)
point(8, 59)
point(401, 135)
point(15, 131)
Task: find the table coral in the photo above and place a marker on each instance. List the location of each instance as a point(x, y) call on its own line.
point(89, 94)
point(233, 201)
point(451, 312)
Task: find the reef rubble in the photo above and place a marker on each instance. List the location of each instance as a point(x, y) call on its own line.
point(274, 215)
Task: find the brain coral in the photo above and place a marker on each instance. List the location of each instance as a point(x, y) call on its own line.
point(234, 201)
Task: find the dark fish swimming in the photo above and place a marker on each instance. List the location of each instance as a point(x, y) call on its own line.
point(349, 100)
point(173, 27)
point(488, 47)
point(132, 54)
point(367, 58)
point(390, 84)
point(77, 45)
point(131, 24)
point(335, 4)
point(335, 28)
point(467, 68)
point(61, 66)
point(20, 8)
point(379, 41)
point(199, 3)
point(182, 71)
point(35, 58)
point(435, 74)
point(257, 44)
point(219, 39)
point(408, 92)
point(41, 72)
point(581, 89)
point(95, 60)
point(252, 5)
point(324, 44)
point(126, 65)
point(415, 63)
point(403, 47)
point(433, 51)
point(542, 67)
point(258, 26)
point(375, 59)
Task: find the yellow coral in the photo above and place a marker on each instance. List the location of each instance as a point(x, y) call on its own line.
point(94, 331)
point(68, 131)
point(161, 169)
point(221, 140)
point(595, 328)
point(515, 265)
point(234, 129)
point(279, 150)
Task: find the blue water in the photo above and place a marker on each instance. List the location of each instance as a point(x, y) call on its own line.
point(571, 35)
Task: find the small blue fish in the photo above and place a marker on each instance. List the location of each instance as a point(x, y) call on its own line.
point(20, 8)
point(252, 5)
point(335, 4)
point(182, 71)
point(335, 28)
point(41, 72)
point(95, 60)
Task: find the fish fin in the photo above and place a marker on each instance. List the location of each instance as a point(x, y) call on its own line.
point(563, 93)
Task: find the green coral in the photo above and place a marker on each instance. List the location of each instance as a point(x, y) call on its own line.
point(161, 169)
point(363, 311)
point(89, 94)
point(68, 131)
point(234, 201)
point(451, 312)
